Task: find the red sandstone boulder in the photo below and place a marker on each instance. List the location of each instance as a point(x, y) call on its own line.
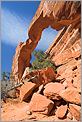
point(26, 90)
point(40, 103)
point(75, 111)
point(52, 90)
point(71, 95)
point(44, 75)
point(47, 74)
point(61, 111)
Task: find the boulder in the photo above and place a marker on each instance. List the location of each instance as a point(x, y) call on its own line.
point(52, 90)
point(26, 90)
point(44, 75)
point(40, 103)
point(48, 75)
point(71, 95)
point(75, 111)
point(61, 111)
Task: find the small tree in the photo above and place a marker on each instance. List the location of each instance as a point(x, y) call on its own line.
point(41, 61)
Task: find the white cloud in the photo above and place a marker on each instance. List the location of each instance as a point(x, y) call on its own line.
point(13, 27)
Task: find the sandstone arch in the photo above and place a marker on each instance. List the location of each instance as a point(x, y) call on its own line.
point(57, 14)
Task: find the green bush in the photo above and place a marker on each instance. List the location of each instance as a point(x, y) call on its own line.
point(41, 61)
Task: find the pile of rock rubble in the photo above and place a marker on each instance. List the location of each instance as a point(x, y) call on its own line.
point(48, 96)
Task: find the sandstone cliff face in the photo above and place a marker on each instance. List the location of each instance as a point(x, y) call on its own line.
point(60, 15)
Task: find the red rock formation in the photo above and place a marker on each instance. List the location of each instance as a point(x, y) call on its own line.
point(56, 14)
point(44, 75)
point(52, 90)
point(71, 95)
point(26, 90)
point(61, 111)
point(40, 103)
point(68, 47)
point(75, 111)
point(21, 59)
point(64, 52)
point(69, 115)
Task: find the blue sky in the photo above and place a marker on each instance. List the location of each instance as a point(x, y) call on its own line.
point(15, 20)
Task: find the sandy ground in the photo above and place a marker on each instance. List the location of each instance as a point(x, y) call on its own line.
point(14, 110)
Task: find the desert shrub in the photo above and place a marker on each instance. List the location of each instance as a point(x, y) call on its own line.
point(5, 86)
point(6, 83)
point(41, 61)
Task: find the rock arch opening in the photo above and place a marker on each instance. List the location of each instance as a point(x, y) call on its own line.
point(56, 15)
point(47, 38)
